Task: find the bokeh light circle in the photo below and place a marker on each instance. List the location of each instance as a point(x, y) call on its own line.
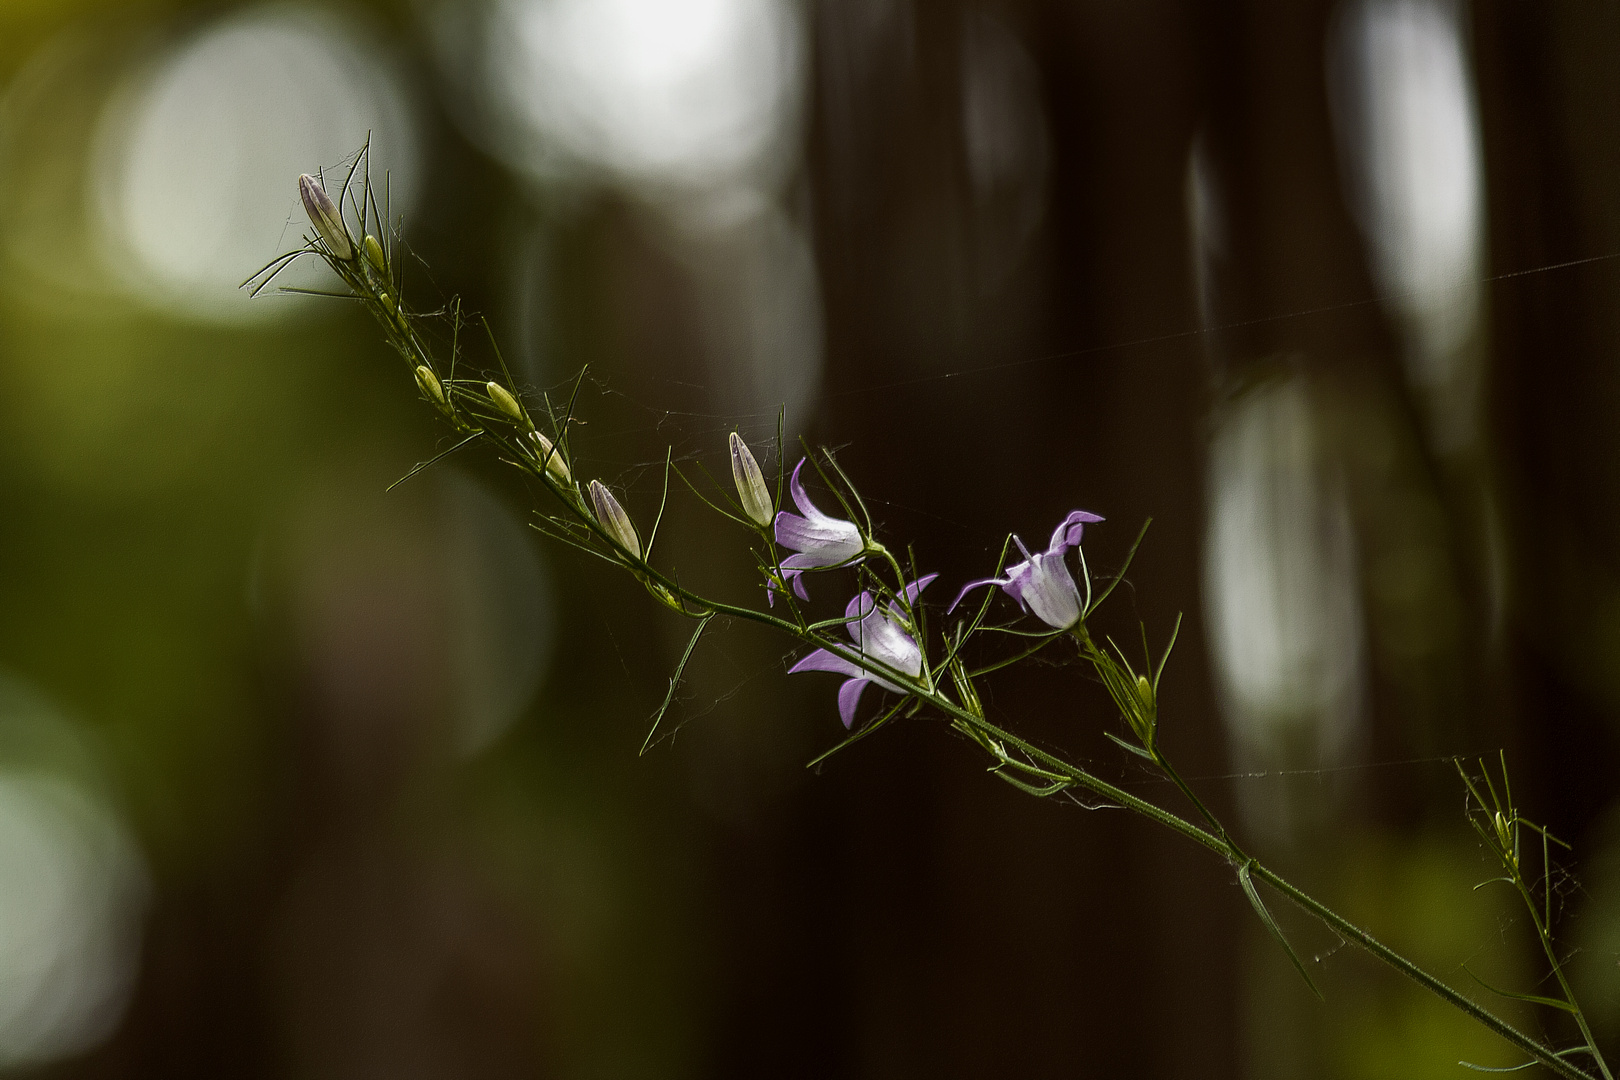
point(679, 93)
point(198, 154)
point(72, 887)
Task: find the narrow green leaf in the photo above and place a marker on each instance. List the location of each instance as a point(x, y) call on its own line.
point(1120, 576)
point(1165, 659)
point(1534, 999)
point(859, 733)
point(1053, 788)
point(1253, 894)
point(675, 680)
point(430, 462)
point(1132, 747)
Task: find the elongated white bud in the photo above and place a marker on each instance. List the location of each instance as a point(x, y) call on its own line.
point(555, 465)
point(430, 385)
point(504, 401)
point(324, 215)
point(611, 516)
point(751, 489)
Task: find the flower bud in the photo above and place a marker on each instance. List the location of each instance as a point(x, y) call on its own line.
point(756, 498)
point(611, 516)
point(553, 459)
point(430, 385)
point(374, 254)
point(1144, 692)
point(504, 401)
point(325, 216)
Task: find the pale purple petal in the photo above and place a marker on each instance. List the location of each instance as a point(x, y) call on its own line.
point(883, 639)
point(1042, 584)
point(1048, 592)
point(859, 607)
point(918, 586)
point(796, 563)
point(801, 499)
point(1068, 533)
point(1018, 582)
point(849, 696)
point(822, 660)
point(792, 577)
point(970, 586)
point(821, 541)
point(825, 538)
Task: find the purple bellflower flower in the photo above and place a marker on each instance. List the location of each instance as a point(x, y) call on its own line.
point(1042, 584)
point(821, 541)
point(880, 634)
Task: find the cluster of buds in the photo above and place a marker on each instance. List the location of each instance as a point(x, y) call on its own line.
point(885, 633)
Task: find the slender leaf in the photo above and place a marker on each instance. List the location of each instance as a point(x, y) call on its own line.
point(1253, 894)
point(430, 462)
point(675, 680)
point(1132, 747)
point(1534, 999)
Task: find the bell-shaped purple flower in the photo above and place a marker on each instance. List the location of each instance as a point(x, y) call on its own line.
point(1042, 584)
point(879, 633)
point(821, 541)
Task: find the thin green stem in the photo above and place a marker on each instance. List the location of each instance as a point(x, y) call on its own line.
point(1039, 764)
point(1357, 936)
point(1346, 929)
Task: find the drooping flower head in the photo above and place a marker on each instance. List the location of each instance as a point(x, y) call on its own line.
point(820, 540)
point(880, 633)
point(1042, 584)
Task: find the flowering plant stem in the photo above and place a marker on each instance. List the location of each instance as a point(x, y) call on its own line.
point(888, 625)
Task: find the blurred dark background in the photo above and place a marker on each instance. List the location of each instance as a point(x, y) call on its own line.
point(299, 778)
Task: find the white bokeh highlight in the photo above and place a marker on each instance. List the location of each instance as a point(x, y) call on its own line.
point(73, 888)
point(1281, 582)
point(1409, 136)
point(690, 95)
point(198, 154)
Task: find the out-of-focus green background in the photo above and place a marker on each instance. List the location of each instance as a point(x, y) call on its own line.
point(302, 778)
